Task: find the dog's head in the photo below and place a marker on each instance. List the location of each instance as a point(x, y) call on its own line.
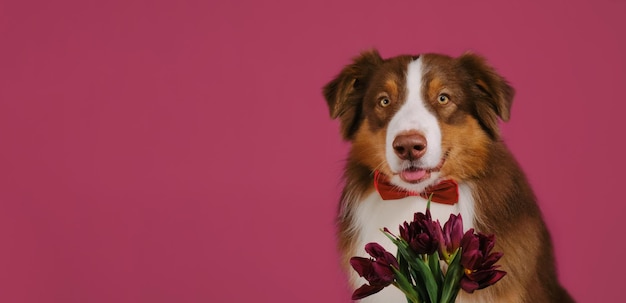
point(419, 118)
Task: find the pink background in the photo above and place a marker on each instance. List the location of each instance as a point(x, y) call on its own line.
point(181, 151)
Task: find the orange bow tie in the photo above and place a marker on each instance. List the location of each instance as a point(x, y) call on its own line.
point(446, 191)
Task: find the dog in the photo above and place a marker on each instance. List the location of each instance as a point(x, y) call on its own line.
point(416, 120)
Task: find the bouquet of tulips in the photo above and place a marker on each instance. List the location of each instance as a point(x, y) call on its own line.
point(432, 263)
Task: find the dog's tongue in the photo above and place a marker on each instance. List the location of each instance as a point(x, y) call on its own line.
point(412, 175)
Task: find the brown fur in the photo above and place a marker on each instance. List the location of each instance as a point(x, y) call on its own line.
point(504, 202)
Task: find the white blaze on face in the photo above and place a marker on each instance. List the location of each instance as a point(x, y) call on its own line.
point(414, 115)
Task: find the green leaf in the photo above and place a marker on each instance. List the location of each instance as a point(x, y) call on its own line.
point(420, 286)
point(404, 269)
point(412, 293)
point(451, 285)
point(429, 280)
point(404, 265)
point(435, 268)
point(402, 283)
point(420, 267)
point(416, 263)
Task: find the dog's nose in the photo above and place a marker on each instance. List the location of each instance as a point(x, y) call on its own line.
point(409, 146)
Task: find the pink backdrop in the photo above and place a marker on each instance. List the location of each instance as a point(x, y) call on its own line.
point(180, 151)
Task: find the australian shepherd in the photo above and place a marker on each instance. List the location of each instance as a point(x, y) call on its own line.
point(418, 120)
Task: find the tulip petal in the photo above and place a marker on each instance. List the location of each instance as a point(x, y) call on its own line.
point(455, 233)
point(384, 273)
point(374, 249)
point(495, 277)
point(380, 254)
point(363, 266)
point(492, 259)
point(468, 285)
point(364, 291)
point(479, 262)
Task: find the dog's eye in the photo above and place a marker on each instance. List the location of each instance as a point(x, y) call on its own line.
point(384, 102)
point(443, 99)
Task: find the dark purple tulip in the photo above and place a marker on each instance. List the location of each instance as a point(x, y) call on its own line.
point(478, 261)
point(422, 234)
point(376, 271)
point(451, 236)
point(381, 255)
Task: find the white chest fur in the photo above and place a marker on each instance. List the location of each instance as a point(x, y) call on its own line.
point(373, 214)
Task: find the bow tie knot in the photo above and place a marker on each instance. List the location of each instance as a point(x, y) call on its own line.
point(446, 191)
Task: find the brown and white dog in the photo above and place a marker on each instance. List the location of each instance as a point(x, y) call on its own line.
point(421, 119)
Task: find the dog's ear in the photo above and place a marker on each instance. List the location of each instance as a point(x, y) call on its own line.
point(495, 95)
point(345, 93)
